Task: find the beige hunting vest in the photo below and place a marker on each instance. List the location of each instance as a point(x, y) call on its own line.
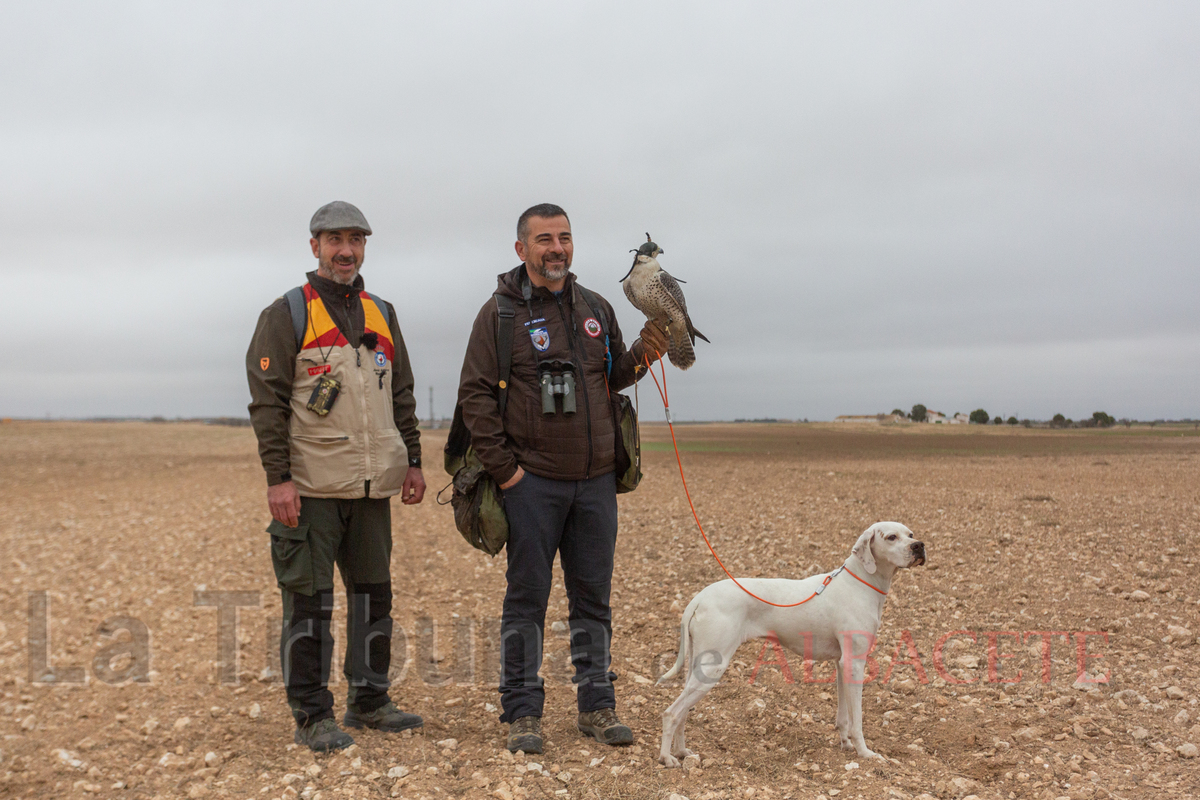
point(357, 441)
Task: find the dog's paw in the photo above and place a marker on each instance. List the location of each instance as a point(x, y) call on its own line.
point(669, 761)
point(683, 753)
point(866, 752)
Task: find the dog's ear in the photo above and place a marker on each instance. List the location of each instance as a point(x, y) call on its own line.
point(862, 549)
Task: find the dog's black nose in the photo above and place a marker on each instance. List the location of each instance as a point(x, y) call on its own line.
point(918, 549)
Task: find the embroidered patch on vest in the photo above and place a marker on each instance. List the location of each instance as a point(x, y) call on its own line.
point(592, 327)
point(320, 370)
point(380, 358)
point(264, 363)
point(541, 339)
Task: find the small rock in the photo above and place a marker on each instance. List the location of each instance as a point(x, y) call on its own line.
point(448, 744)
point(1175, 693)
point(212, 759)
point(558, 626)
point(906, 686)
point(397, 772)
point(673, 796)
point(255, 711)
point(1028, 734)
point(29, 723)
point(1180, 635)
point(454, 701)
point(503, 794)
point(852, 765)
point(312, 770)
point(1138, 596)
point(1139, 734)
point(1182, 717)
point(962, 785)
point(172, 761)
point(1187, 750)
point(68, 758)
point(149, 726)
point(619, 771)
point(197, 790)
point(480, 780)
point(182, 723)
point(491, 709)
point(597, 761)
point(691, 762)
point(564, 776)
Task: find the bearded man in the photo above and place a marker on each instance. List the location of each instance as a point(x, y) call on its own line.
point(556, 469)
point(336, 420)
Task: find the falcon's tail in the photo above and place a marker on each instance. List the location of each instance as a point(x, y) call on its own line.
point(680, 350)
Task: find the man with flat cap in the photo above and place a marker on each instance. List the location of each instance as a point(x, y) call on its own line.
point(336, 420)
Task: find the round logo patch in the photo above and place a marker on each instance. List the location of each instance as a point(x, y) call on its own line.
point(592, 327)
point(380, 358)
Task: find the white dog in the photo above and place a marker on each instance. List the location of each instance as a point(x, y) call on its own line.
point(839, 622)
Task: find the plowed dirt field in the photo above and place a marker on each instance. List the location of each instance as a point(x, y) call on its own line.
point(1054, 627)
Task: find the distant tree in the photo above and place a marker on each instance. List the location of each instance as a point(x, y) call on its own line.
point(918, 413)
point(979, 417)
point(999, 420)
point(1126, 421)
point(899, 413)
point(1012, 420)
point(1103, 420)
point(1059, 421)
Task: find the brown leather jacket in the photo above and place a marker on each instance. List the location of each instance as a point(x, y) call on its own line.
point(559, 446)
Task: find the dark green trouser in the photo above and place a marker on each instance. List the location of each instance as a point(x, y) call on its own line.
point(357, 536)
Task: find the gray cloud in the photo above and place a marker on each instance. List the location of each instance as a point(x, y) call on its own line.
point(874, 205)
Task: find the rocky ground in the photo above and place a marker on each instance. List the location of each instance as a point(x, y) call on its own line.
point(116, 540)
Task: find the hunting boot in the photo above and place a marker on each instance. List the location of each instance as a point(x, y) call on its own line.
point(323, 736)
point(525, 734)
point(603, 726)
point(386, 718)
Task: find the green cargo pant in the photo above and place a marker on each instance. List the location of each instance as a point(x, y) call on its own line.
point(356, 535)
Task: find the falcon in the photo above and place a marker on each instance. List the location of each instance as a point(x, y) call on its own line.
point(657, 295)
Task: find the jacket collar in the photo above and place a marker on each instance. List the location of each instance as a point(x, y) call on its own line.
point(514, 282)
point(330, 288)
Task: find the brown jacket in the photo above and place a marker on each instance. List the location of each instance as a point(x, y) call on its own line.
point(558, 446)
point(275, 389)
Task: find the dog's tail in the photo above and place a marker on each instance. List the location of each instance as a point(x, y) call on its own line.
point(685, 642)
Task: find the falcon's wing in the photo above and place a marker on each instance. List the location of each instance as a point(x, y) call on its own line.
point(676, 294)
point(672, 287)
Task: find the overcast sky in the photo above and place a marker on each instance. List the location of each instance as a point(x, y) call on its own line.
point(874, 205)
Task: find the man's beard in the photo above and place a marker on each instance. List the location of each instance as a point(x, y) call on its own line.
point(325, 269)
point(552, 274)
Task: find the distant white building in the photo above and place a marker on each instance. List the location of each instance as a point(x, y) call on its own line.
point(934, 416)
point(960, 419)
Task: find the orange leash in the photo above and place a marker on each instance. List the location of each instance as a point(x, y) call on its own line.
point(662, 393)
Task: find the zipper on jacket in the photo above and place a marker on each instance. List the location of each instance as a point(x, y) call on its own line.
point(572, 337)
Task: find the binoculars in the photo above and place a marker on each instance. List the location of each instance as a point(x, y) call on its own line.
point(557, 378)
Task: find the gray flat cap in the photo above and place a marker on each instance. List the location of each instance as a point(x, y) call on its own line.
point(338, 216)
